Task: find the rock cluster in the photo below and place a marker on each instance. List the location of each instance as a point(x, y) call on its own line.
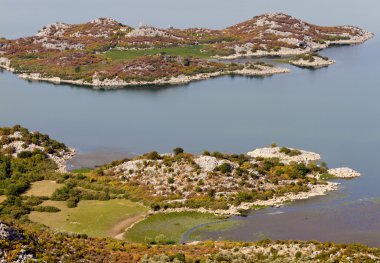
point(147, 31)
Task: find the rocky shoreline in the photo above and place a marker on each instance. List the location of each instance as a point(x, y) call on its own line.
point(315, 190)
point(246, 52)
point(182, 79)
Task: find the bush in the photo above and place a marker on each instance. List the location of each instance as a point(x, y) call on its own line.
point(290, 152)
point(49, 209)
point(285, 150)
point(179, 257)
point(294, 153)
point(72, 202)
point(206, 153)
point(153, 156)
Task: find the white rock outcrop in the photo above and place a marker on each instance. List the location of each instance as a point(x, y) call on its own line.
point(343, 172)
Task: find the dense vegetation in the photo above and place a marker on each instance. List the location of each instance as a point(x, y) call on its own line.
point(52, 247)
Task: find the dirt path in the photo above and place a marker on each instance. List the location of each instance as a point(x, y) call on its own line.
point(118, 230)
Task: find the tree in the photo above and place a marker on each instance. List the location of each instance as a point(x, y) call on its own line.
point(177, 151)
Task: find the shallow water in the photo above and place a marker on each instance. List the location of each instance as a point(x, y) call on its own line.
point(333, 111)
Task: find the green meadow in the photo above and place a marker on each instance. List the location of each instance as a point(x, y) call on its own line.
point(184, 51)
point(91, 217)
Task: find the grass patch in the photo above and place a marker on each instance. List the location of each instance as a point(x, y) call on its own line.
point(94, 218)
point(167, 228)
point(2, 198)
point(326, 176)
point(186, 51)
point(82, 170)
point(43, 188)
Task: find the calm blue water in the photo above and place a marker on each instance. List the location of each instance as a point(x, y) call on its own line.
point(332, 111)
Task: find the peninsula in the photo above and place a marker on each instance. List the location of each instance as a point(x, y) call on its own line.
point(106, 53)
point(150, 201)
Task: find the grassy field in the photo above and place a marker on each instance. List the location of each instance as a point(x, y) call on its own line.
point(167, 227)
point(194, 51)
point(43, 188)
point(94, 218)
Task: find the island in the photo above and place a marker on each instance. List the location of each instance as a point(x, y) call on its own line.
point(106, 53)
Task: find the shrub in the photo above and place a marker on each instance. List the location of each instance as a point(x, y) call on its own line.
point(49, 209)
point(285, 150)
point(224, 168)
point(72, 202)
point(153, 156)
point(294, 153)
point(179, 257)
point(206, 153)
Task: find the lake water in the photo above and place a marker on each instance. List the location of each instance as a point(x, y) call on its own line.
point(333, 111)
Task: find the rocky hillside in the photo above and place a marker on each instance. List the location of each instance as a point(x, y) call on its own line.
point(226, 183)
